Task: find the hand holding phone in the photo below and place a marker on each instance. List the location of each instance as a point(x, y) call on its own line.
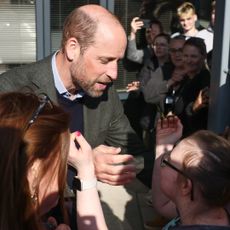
point(136, 24)
point(146, 23)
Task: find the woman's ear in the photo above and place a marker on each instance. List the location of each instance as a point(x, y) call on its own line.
point(186, 187)
point(72, 48)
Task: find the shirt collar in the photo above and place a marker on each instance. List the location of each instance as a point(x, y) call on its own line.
point(59, 84)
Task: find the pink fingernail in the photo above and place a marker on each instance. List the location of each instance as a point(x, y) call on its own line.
point(78, 133)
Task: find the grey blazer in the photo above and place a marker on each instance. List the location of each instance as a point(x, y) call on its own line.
point(104, 119)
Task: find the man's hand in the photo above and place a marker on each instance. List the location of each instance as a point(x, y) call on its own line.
point(111, 167)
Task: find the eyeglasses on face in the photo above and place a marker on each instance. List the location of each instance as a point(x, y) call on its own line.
point(165, 161)
point(176, 50)
point(44, 100)
point(160, 45)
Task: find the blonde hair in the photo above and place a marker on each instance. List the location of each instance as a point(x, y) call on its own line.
point(186, 8)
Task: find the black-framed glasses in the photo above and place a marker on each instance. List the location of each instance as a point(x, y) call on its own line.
point(175, 50)
point(44, 99)
point(160, 45)
point(165, 161)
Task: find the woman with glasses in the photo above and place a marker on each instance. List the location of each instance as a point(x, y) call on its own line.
point(191, 181)
point(35, 146)
point(166, 77)
point(160, 46)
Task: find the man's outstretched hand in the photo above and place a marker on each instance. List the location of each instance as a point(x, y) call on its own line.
point(111, 167)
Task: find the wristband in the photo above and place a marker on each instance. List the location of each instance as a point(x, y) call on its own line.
point(82, 185)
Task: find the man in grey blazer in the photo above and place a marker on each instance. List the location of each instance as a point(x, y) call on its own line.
point(84, 70)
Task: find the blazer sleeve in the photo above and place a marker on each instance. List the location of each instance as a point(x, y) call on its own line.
point(120, 132)
point(106, 123)
point(13, 80)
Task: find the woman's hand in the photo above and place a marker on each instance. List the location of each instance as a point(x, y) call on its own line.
point(81, 156)
point(133, 86)
point(136, 24)
point(201, 100)
point(169, 130)
point(52, 224)
point(177, 76)
point(63, 227)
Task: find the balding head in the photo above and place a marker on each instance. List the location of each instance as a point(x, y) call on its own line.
point(83, 23)
point(93, 43)
point(98, 13)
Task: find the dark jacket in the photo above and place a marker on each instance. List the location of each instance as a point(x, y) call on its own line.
point(156, 90)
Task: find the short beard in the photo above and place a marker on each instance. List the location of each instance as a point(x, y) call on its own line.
point(87, 88)
point(77, 70)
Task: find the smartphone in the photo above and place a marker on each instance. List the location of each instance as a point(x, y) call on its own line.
point(146, 23)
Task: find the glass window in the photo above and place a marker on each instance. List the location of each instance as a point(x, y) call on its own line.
point(18, 33)
point(126, 10)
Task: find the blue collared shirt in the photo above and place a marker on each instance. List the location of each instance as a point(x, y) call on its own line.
point(59, 84)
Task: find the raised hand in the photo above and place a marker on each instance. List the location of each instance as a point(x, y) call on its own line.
point(133, 86)
point(201, 100)
point(136, 24)
point(177, 76)
point(169, 130)
point(81, 158)
point(111, 167)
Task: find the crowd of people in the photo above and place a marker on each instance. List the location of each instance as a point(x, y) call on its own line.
point(178, 79)
point(63, 128)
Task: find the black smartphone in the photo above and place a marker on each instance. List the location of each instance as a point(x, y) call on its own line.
point(146, 23)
